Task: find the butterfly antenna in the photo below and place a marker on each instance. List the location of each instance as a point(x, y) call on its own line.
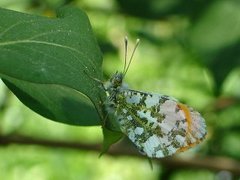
point(130, 60)
point(125, 53)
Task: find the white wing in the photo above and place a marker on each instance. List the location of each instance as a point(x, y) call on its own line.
point(158, 125)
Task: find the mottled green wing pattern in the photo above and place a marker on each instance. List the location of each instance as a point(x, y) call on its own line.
point(158, 125)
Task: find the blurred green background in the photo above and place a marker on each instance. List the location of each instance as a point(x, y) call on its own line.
point(189, 50)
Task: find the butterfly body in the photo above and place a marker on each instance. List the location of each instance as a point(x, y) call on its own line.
point(157, 124)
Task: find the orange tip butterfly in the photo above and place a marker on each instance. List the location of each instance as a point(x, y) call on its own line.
point(157, 124)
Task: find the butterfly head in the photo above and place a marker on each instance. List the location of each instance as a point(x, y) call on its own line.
point(116, 80)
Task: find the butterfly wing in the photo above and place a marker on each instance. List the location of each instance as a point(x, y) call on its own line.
point(157, 124)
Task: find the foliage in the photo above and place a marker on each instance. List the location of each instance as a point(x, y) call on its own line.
point(48, 64)
point(189, 50)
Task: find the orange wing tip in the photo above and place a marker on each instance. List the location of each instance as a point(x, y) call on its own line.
point(196, 127)
point(190, 145)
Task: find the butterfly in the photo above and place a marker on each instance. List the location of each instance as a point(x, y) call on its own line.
point(157, 124)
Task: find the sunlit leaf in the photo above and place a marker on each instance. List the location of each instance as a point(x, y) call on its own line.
point(50, 64)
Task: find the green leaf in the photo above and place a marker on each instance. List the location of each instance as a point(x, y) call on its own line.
point(216, 37)
point(211, 32)
point(110, 137)
point(50, 64)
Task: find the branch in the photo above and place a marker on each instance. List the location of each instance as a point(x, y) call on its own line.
point(213, 163)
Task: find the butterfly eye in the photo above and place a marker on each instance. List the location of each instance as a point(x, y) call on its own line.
point(119, 80)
